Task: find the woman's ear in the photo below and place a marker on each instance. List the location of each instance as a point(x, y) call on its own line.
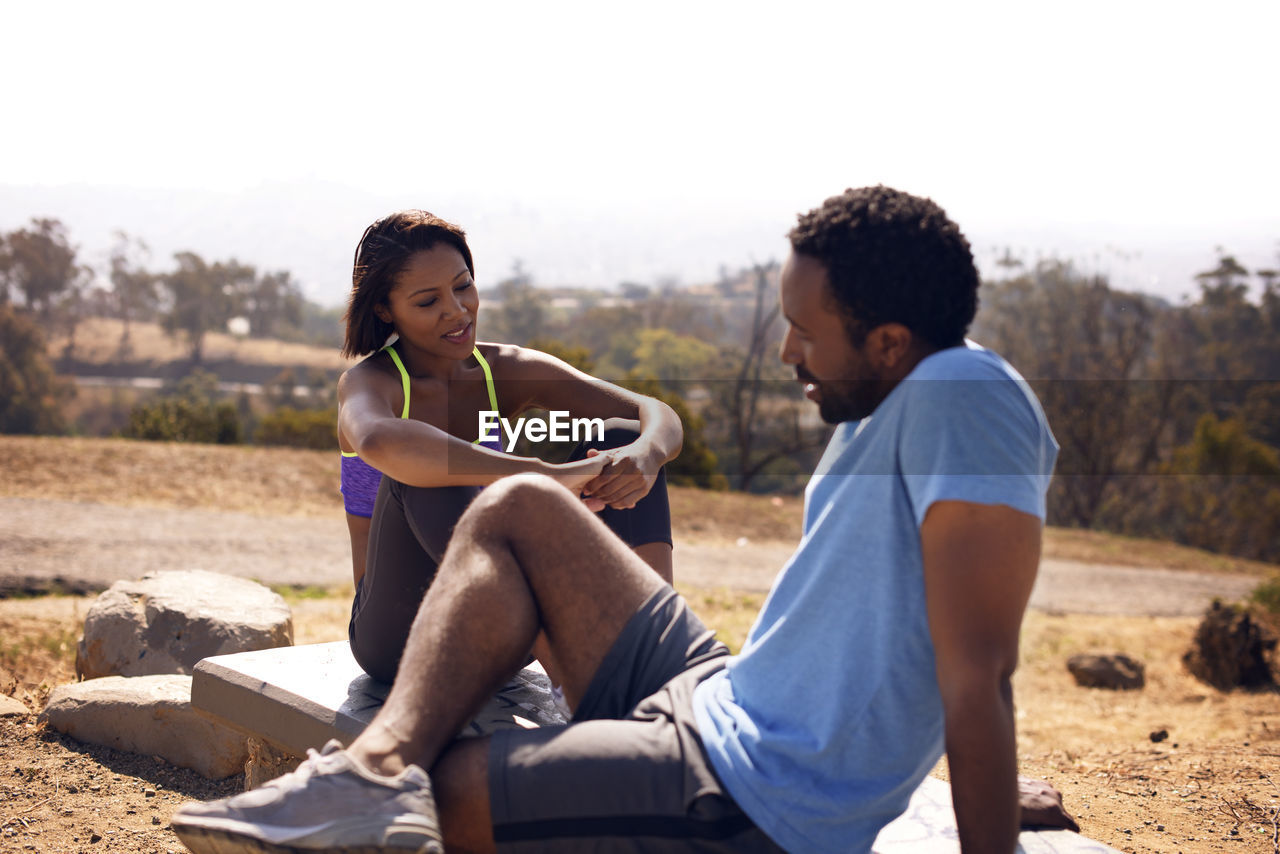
point(383, 312)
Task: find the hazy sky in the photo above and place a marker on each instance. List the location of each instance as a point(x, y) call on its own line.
point(546, 128)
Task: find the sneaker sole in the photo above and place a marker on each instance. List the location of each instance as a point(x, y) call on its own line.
point(212, 840)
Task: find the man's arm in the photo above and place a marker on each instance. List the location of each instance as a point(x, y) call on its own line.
point(979, 564)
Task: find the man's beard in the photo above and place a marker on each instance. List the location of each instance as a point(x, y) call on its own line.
point(842, 400)
point(845, 401)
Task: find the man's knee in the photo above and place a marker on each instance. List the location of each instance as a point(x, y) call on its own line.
point(519, 500)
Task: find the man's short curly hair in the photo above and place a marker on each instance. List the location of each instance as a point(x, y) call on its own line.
point(892, 258)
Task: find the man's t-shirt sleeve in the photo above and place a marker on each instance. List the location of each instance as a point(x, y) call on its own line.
point(978, 437)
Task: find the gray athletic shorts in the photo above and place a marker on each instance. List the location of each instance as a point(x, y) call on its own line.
point(630, 773)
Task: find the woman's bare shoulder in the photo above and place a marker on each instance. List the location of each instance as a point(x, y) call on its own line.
point(375, 373)
point(515, 362)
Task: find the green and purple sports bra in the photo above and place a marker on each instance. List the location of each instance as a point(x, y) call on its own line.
point(360, 480)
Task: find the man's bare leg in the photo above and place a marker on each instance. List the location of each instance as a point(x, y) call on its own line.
point(526, 562)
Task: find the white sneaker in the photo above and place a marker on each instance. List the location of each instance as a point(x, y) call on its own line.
point(330, 803)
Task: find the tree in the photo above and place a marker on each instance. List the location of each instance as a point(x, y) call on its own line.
point(696, 464)
point(30, 394)
point(1087, 350)
point(133, 287)
point(202, 297)
point(754, 399)
point(1221, 492)
point(269, 301)
point(40, 264)
point(673, 359)
point(520, 314)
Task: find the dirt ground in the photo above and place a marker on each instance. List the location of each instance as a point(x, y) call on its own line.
point(1208, 785)
point(1176, 766)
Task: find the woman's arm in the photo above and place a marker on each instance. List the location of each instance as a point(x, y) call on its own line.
point(549, 383)
point(419, 454)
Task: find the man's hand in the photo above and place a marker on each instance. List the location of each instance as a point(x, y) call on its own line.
point(627, 478)
point(1041, 805)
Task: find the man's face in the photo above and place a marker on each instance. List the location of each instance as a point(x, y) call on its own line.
point(837, 376)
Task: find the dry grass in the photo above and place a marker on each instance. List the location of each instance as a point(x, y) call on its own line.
point(267, 481)
point(98, 342)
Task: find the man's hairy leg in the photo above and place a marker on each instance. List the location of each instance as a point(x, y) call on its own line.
point(526, 562)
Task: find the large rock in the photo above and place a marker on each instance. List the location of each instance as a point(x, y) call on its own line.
point(150, 715)
point(1117, 672)
point(165, 622)
point(1231, 650)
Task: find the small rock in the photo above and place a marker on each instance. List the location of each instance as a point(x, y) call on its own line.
point(148, 793)
point(155, 819)
point(12, 708)
point(1117, 672)
point(1159, 736)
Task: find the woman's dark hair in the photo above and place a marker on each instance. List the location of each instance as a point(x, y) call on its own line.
point(892, 258)
point(382, 253)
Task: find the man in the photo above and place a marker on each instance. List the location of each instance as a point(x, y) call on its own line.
point(892, 631)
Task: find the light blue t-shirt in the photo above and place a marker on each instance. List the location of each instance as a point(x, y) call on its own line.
point(825, 723)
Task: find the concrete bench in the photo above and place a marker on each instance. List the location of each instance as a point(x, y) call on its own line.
point(301, 696)
point(289, 699)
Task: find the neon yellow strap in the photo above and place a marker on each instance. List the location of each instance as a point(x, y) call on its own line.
point(488, 379)
point(404, 378)
point(348, 453)
point(488, 382)
point(404, 382)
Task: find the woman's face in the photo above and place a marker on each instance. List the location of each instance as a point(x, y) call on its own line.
point(433, 303)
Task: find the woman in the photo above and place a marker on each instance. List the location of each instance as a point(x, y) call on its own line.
point(408, 427)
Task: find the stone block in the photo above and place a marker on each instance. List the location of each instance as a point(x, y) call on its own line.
point(302, 696)
point(150, 715)
point(165, 622)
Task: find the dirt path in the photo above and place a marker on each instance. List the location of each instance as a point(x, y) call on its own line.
point(90, 545)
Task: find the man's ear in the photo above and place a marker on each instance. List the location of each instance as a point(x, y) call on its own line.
point(889, 345)
point(383, 313)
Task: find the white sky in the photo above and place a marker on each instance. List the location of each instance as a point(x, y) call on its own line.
point(1030, 122)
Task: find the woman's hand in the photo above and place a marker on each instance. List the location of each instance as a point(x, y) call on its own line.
point(576, 475)
point(628, 476)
